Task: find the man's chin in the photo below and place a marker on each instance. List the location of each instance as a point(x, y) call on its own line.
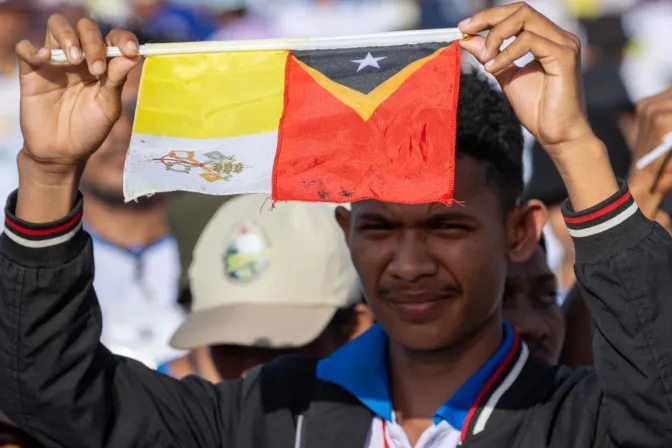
point(422, 337)
point(111, 195)
point(543, 356)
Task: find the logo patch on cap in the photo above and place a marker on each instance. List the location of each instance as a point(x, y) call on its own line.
point(247, 256)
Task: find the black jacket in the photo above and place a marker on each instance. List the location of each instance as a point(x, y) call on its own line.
point(60, 384)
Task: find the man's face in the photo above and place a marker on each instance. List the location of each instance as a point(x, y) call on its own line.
point(530, 306)
point(104, 172)
point(433, 274)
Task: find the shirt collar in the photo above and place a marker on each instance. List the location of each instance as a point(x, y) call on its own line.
point(135, 251)
point(360, 367)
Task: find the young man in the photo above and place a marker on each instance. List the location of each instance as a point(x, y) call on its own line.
point(263, 285)
point(439, 369)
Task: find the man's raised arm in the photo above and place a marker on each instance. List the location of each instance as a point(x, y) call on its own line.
point(57, 381)
point(624, 261)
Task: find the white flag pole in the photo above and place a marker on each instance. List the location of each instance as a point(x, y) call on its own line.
point(321, 43)
point(656, 153)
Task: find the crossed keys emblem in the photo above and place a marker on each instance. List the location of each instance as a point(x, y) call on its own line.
point(215, 167)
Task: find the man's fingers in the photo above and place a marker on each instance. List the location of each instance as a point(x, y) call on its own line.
point(508, 21)
point(488, 18)
point(125, 40)
point(524, 19)
point(60, 34)
point(118, 70)
point(120, 67)
point(93, 45)
point(544, 50)
point(474, 45)
point(30, 57)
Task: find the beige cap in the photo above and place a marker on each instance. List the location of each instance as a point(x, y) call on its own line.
point(267, 278)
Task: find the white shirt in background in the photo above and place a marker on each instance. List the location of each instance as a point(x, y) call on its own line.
point(138, 297)
point(310, 19)
point(647, 70)
point(11, 140)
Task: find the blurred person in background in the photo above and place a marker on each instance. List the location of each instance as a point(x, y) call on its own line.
point(264, 284)
point(237, 21)
point(647, 68)
point(73, 10)
point(447, 13)
point(171, 20)
point(603, 58)
point(15, 20)
point(137, 265)
point(652, 185)
point(104, 11)
point(324, 18)
point(530, 303)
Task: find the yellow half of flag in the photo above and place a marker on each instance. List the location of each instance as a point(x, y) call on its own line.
point(212, 95)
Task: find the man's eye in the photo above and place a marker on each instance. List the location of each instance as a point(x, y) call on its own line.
point(449, 226)
point(549, 298)
point(365, 227)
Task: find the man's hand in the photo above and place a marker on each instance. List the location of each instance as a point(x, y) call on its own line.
point(650, 184)
point(546, 94)
point(67, 110)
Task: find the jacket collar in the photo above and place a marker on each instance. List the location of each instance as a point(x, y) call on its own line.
point(360, 367)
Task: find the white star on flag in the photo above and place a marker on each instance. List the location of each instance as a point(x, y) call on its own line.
point(368, 61)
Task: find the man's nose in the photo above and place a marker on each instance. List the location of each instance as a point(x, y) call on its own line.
point(529, 325)
point(412, 260)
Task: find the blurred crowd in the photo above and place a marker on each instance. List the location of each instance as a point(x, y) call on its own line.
point(155, 257)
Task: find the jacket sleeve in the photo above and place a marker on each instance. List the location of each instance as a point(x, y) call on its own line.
point(58, 382)
point(624, 270)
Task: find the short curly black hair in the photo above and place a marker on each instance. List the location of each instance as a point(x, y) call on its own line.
point(489, 131)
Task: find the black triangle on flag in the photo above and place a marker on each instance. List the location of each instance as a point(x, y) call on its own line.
point(363, 69)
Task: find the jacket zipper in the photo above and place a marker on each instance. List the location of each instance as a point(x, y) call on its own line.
point(298, 439)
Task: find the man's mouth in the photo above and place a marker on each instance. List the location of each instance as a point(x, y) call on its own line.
point(418, 305)
point(541, 353)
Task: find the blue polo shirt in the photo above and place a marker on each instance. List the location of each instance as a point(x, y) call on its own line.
point(360, 367)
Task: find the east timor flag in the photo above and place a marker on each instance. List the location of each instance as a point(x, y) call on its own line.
point(334, 125)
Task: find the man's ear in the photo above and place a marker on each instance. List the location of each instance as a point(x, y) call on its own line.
point(525, 226)
point(342, 215)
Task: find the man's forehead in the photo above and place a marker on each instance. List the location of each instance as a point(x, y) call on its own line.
point(395, 209)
